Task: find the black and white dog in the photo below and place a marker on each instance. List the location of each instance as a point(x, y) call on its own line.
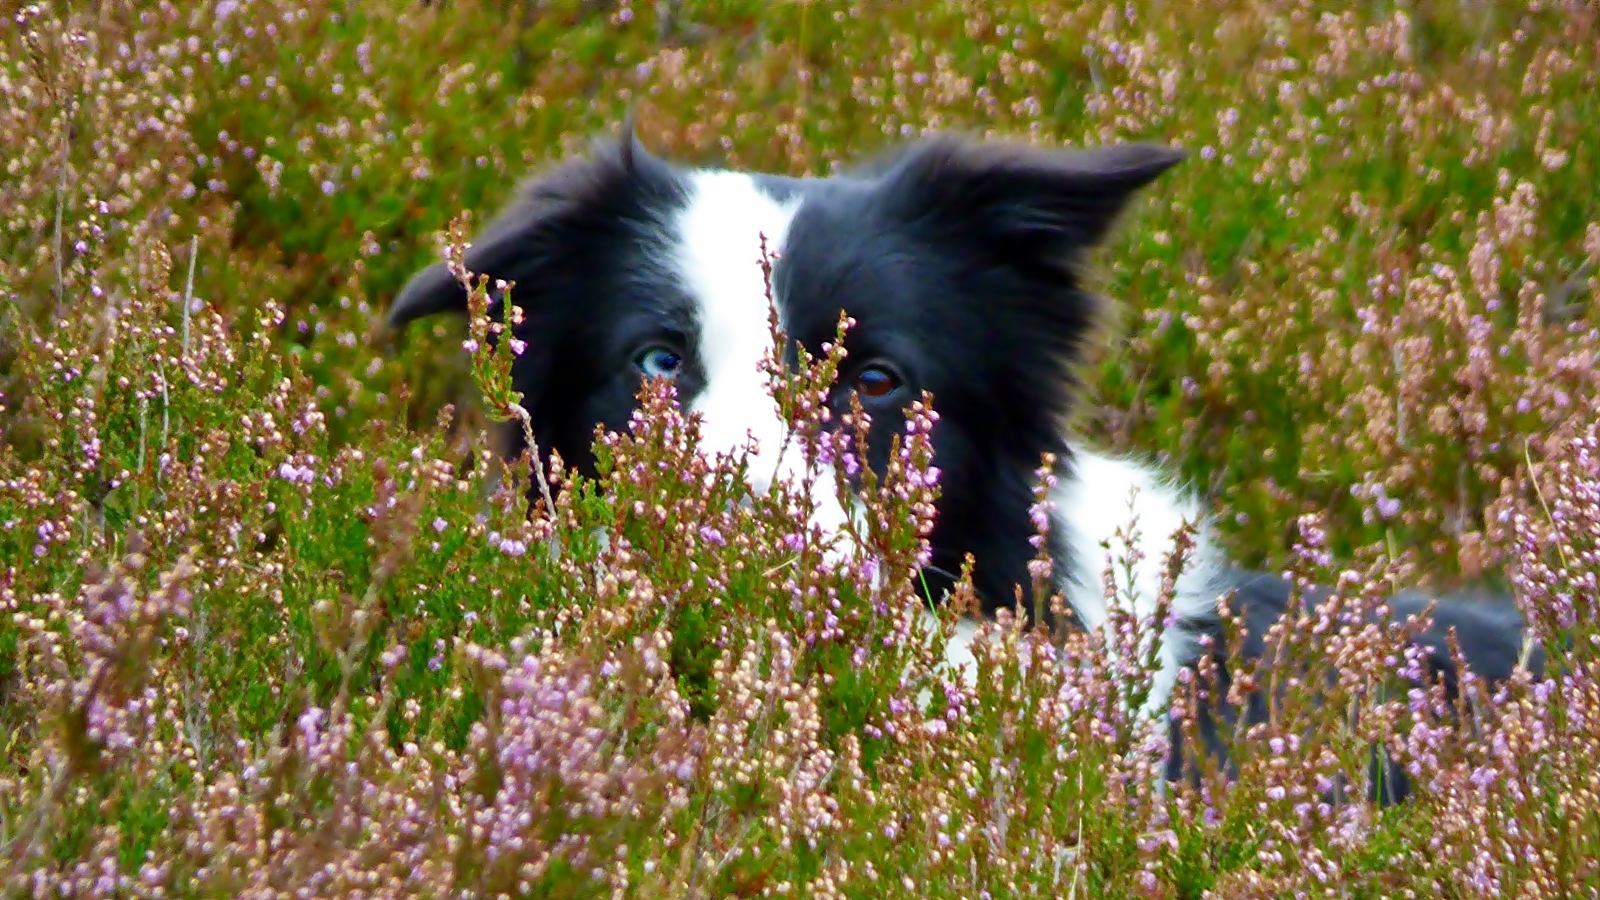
point(959, 262)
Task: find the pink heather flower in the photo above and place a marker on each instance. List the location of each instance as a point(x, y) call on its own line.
point(518, 345)
point(869, 569)
point(469, 345)
point(296, 474)
point(852, 465)
point(309, 724)
point(1039, 514)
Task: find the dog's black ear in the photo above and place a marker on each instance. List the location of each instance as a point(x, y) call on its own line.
point(546, 214)
point(1020, 198)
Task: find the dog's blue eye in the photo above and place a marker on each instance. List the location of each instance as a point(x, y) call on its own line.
point(659, 362)
point(876, 381)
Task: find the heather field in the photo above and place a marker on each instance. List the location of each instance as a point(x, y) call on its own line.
point(274, 621)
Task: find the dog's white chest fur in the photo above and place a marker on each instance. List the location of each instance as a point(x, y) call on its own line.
point(1108, 509)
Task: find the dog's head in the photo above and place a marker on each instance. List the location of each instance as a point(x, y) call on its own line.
point(957, 259)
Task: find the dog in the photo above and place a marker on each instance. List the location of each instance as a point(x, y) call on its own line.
point(960, 261)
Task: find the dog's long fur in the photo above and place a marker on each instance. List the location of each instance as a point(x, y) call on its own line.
point(959, 261)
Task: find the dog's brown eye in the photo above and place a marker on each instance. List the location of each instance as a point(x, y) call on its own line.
point(876, 381)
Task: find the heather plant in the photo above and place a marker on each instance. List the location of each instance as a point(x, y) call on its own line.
point(278, 619)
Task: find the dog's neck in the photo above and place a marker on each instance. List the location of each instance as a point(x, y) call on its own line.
point(1122, 518)
point(1119, 514)
point(1109, 516)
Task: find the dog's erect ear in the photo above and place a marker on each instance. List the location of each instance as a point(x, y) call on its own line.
point(1022, 198)
point(530, 233)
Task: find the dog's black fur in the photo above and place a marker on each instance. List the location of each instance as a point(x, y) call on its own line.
point(1488, 628)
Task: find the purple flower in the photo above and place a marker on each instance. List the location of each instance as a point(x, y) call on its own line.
point(296, 474)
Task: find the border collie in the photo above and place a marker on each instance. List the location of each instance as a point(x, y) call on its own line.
point(959, 261)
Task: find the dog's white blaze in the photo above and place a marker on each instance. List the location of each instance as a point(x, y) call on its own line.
point(717, 253)
point(1091, 507)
